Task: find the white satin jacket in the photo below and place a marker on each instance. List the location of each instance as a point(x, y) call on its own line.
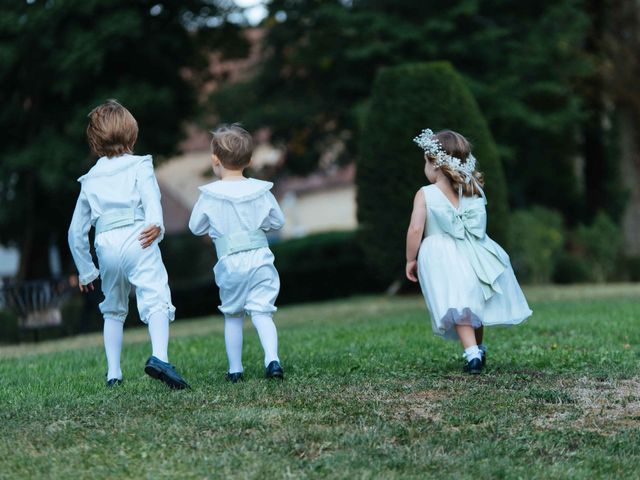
point(113, 184)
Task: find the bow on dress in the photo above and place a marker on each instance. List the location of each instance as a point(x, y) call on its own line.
point(468, 225)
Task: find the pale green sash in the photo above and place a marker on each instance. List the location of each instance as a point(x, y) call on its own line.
point(468, 226)
point(240, 242)
point(117, 218)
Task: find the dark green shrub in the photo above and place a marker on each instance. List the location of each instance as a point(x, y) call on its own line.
point(406, 99)
point(571, 268)
point(536, 239)
point(600, 243)
point(632, 268)
point(8, 327)
point(323, 266)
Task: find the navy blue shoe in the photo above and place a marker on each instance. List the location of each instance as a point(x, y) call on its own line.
point(274, 370)
point(165, 372)
point(113, 382)
point(234, 377)
point(474, 367)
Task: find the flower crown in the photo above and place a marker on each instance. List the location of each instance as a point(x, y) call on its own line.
point(432, 148)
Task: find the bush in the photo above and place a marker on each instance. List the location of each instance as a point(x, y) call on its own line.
point(632, 268)
point(600, 244)
point(535, 243)
point(571, 268)
point(323, 266)
point(406, 99)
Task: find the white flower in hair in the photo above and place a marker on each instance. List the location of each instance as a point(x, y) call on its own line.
point(432, 148)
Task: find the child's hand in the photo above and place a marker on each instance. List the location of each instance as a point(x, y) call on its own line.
point(148, 235)
point(411, 270)
point(86, 288)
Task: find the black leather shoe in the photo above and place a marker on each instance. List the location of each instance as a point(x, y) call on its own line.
point(165, 372)
point(473, 367)
point(233, 377)
point(484, 357)
point(112, 382)
point(274, 370)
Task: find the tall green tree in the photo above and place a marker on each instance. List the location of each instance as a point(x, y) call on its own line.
point(59, 59)
point(522, 61)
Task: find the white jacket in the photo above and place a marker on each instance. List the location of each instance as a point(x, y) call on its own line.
point(124, 182)
point(228, 207)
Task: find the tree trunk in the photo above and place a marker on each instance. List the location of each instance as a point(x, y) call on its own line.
point(595, 163)
point(34, 245)
point(630, 172)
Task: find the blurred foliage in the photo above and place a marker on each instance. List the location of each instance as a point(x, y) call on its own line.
point(536, 240)
point(391, 167)
point(59, 59)
point(600, 244)
point(524, 62)
point(323, 266)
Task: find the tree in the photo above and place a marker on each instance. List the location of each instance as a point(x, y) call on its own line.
point(405, 100)
point(57, 61)
point(522, 61)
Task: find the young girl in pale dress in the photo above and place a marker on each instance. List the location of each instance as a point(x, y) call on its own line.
point(466, 278)
point(236, 212)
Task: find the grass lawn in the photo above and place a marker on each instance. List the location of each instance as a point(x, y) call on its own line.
point(370, 393)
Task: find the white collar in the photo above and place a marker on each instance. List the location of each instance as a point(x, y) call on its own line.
point(238, 190)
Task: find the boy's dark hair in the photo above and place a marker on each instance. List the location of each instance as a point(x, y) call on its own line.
point(112, 130)
point(233, 145)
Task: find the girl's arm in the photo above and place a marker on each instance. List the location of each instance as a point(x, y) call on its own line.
point(199, 222)
point(414, 234)
point(79, 242)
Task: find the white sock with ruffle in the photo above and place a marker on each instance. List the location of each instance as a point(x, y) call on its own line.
point(472, 352)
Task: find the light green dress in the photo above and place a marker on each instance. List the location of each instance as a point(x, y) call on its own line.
point(466, 277)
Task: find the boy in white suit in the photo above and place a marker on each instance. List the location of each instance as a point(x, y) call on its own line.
point(120, 197)
point(236, 212)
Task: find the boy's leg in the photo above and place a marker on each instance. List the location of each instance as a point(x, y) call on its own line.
point(115, 306)
point(113, 330)
point(146, 272)
point(159, 334)
point(268, 336)
point(233, 341)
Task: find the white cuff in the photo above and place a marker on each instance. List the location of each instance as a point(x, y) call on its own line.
point(90, 277)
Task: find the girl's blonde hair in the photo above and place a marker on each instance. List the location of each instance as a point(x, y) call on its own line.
point(112, 130)
point(457, 146)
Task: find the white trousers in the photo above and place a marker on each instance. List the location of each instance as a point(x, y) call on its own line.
point(248, 282)
point(123, 262)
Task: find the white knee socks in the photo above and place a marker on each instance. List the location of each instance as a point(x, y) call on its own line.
point(159, 333)
point(113, 347)
point(233, 342)
point(268, 336)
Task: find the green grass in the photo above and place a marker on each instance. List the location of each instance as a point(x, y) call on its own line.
point(370, 393)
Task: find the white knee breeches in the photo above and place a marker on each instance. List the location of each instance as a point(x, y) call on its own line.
point(123, 262)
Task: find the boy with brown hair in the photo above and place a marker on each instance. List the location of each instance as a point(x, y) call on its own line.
point(120, 197)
